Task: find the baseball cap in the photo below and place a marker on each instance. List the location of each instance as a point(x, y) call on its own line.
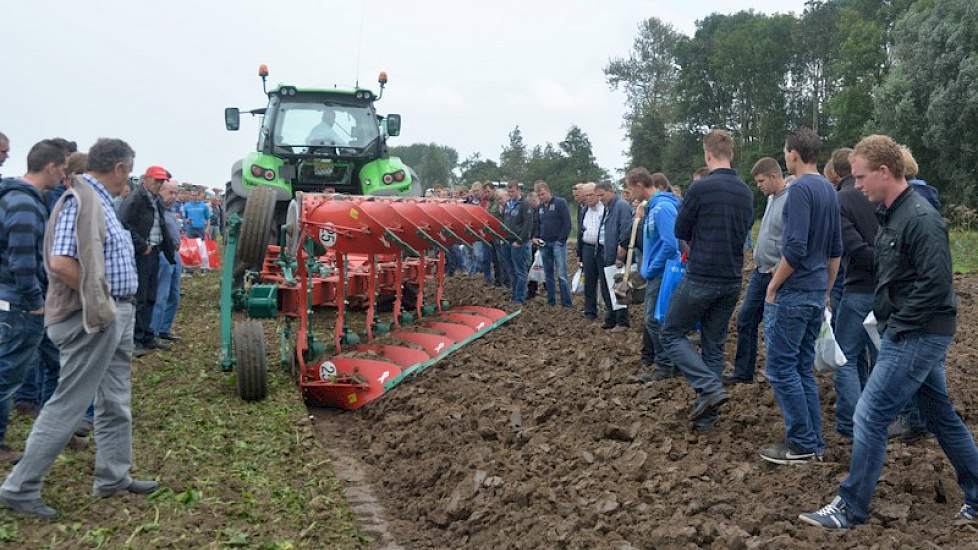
point(157, 172)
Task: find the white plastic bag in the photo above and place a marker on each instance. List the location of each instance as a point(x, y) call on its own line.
point(577, 283)
point(828, 354)
point(609, 279)
point(536, 270)
point(872, 328)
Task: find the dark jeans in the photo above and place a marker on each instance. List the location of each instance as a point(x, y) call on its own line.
point(710, 304)
point(616, 317)
point(791, 326)
point(453, 260)
point(912, 366)
point(500, 267)
point(591, 263)
point(555, 259)
point(518, 257)
point(860, 354)
point(195, 232)
point(147, 267)
point(748, 319)
point(484, 261)
point(30, 391)
point(20, 335)
point(652, 329)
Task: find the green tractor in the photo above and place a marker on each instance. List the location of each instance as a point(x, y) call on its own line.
point(312, 140)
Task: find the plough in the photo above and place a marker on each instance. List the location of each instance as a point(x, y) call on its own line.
point(342, 253)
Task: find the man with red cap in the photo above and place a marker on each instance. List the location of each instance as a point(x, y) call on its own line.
point(142, 214)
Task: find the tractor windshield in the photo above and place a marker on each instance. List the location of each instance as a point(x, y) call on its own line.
point(319, 123)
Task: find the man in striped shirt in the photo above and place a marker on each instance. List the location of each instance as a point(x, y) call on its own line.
point(23, 280)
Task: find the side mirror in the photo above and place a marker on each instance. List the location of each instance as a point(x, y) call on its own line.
point(393, 125)
point(232, 118)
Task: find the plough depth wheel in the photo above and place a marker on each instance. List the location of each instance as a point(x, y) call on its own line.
point(251, 364)
point(257, 226)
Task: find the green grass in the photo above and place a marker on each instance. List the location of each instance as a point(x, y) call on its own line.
point(964, 251)
point(233, 474)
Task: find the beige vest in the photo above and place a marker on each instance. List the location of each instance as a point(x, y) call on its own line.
point(93, 297)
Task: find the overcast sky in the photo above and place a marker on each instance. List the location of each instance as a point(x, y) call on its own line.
point(462, 72)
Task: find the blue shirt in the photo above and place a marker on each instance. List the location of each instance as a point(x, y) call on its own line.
point(812, 232)
point(197, 213)
point(118, 252)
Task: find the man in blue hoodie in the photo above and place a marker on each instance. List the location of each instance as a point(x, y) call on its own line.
point(659, 245)
point(23, 279)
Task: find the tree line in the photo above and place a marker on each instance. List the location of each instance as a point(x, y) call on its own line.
point(846, 68)
point(561, 165)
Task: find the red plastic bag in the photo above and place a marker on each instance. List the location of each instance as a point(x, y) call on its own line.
point(189, 253)
point(213, 254)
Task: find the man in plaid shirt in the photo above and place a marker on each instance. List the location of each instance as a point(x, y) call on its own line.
point(95, 336)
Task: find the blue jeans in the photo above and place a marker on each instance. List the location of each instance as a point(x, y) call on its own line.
point(41, 377)
point(20, 335)
point(518, 257)
point(710, 304)
point(167, 296)
point(652, 328)
point(855, 343)
point(195, 232)
point(837, 290)
point(791, 326)
point(485, 262)
point(454, 260)
point(554, 255)
point(30, 391)
point(748, 318)
point(500, 266)
point(914, 365)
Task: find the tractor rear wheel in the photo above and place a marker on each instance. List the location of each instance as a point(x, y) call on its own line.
point(256, 227)
point(251, 364)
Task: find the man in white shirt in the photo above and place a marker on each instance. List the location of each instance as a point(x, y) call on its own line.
point(591, 253)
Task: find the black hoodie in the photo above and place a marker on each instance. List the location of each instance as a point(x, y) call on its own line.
point(859, 227)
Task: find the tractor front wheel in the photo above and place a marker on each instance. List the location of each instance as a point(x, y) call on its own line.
point(251, 363)
point(257, 226)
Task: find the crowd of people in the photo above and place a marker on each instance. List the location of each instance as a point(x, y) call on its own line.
point(89, 278)
point(87, 281)
point(862, 237)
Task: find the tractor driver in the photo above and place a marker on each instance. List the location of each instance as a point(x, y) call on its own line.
point(325, 132)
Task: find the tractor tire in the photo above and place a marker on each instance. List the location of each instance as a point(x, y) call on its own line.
point(233, 204)
point(256, 227)
point(251, 364)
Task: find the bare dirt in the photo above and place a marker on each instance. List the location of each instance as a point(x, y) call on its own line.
point(540, 436)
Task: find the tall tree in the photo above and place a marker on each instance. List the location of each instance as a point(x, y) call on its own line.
point(434, 163)
point(512, 161)
point(929, 100)
point(475, 168)
point(648, 77)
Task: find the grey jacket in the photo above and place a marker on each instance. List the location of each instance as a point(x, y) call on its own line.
point(767, 251)
point(617, 228)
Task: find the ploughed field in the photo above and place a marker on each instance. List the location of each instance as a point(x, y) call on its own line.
point(540, 436)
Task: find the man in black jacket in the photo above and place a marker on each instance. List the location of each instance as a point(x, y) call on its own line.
point(142, 214)
point(916, 309)
point(613, 240)
point(518, 217)
point(859, 226)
